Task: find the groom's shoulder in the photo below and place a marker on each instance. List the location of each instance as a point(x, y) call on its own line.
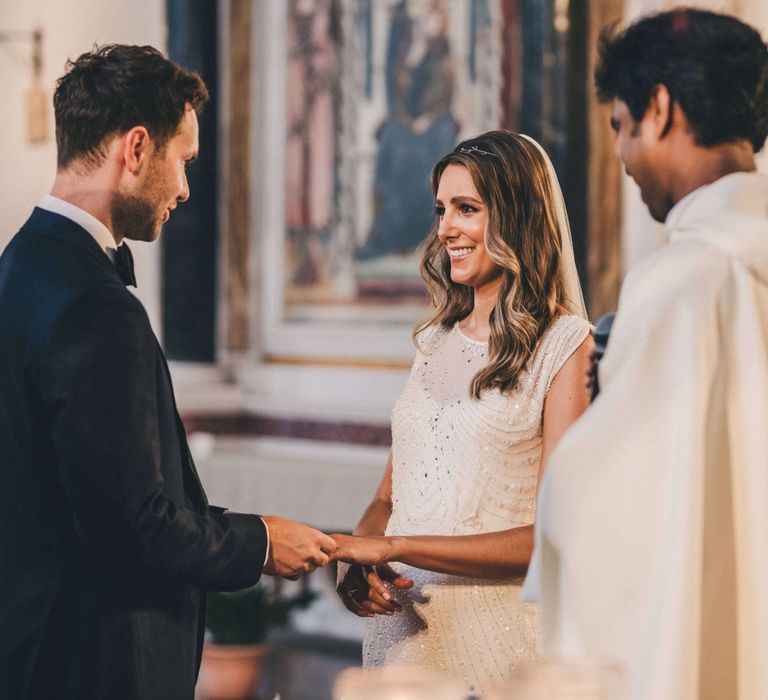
point(41, 232)
point(52, 266)
point(50, 247)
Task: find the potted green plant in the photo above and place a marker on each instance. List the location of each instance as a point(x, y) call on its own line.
point(237, 628)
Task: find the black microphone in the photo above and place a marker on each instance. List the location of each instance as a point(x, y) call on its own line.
point(602, 331)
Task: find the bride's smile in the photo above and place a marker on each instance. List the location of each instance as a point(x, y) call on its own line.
point(459, 253)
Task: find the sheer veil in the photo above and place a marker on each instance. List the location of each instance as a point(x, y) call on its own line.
point(575, 298)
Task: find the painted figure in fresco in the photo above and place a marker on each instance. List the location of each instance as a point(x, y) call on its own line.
point(313, 127)
point(418, 128)
point(498, 377)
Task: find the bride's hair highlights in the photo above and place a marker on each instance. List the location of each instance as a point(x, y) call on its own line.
point(522, 237)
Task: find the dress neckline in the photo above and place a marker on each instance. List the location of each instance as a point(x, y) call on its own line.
point(484, 343)
point(464, 336)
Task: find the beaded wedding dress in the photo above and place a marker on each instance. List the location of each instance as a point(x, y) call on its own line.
point(462, 467)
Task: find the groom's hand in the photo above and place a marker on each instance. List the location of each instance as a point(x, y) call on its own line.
point(295, 549)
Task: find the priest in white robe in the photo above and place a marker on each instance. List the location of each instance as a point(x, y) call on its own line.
point(652, 521)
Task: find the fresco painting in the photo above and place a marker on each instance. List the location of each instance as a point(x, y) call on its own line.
point(362, 136)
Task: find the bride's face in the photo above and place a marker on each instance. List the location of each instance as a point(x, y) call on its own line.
point(463, 217)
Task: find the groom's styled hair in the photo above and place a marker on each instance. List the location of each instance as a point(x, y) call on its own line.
point(114, 88)
point(714, 66)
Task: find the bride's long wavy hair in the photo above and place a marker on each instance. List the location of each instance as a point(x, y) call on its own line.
point(522, 237)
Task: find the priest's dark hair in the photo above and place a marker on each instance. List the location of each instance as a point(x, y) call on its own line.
point(114, 88)
point(714, 66)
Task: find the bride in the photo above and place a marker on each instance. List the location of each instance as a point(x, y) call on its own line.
point(498, 377)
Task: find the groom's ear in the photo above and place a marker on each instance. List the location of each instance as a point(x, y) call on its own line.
point(137, 146)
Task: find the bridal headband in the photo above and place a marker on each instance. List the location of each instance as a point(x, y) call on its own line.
point(475, 149)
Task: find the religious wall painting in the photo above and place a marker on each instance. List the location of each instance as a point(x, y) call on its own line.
point(377, 92)
point(311, 150)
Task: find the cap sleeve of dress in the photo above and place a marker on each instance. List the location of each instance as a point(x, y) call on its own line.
point(558, 343)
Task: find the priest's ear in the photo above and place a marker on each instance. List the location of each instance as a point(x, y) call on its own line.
point(662, 110)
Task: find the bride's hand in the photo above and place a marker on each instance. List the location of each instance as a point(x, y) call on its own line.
point(364, 592)
point(371, 551)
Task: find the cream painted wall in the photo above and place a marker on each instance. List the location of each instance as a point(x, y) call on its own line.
point(70, 28)
point(641, 234)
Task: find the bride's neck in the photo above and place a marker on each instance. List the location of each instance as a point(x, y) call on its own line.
point(477, 323)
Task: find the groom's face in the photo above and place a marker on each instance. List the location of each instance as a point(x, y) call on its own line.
point(139, 214)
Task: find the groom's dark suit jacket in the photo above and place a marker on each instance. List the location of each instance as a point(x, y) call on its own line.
point(107, 542)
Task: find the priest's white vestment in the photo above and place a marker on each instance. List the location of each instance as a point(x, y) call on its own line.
point(652, 521)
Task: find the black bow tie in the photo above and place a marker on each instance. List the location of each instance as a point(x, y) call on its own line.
point(124, 265)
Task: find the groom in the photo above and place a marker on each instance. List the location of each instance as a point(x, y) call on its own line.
point(107, 541)
point(653, 512)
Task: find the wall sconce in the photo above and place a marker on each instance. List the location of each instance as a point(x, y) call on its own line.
point(36, 97)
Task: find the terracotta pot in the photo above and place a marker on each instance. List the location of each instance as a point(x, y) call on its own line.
point(231, 671)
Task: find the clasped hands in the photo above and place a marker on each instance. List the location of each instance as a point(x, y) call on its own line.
point(364, 577)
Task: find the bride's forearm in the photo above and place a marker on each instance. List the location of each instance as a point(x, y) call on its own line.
point(372, 524)
point(375, 518)
point(490, 555)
